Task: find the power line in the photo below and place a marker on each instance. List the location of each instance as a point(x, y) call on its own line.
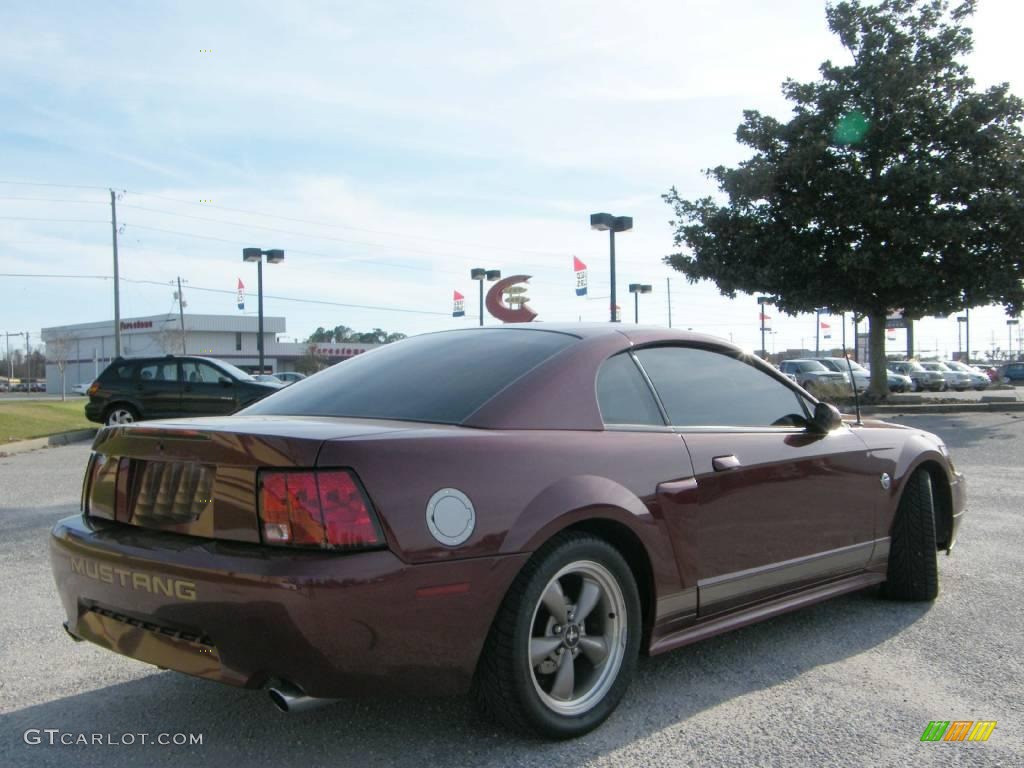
point(223, 290)
point(56, 200)
point(53, 221)
point(338, 226)
point(40, 184)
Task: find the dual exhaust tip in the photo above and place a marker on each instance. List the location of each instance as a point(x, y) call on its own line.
point(289, 698)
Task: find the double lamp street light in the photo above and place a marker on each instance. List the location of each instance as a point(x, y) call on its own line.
point(480, 274)
point(274, 256)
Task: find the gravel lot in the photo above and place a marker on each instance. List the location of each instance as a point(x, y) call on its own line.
point(850, 682)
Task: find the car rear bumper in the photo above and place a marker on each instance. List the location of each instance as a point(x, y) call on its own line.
point(332, 624)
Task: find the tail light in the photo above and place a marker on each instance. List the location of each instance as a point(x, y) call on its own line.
point(326, 509)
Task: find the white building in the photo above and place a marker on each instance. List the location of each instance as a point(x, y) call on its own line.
point(87, 348)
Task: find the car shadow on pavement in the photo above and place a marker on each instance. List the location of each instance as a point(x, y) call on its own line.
point(243, 728)
point(963, 431)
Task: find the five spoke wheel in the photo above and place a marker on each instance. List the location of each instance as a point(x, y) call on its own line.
point(578, 637)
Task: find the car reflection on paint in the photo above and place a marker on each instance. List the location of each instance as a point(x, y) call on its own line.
point(518, 512)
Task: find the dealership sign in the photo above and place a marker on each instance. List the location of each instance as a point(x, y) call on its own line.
point(134, 325)
point(507, 300)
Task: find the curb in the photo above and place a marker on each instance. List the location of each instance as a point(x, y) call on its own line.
point(943, 408)
point(50, 441)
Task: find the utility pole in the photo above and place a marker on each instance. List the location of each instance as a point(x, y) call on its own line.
point(668, 286)
point(967, 334)
point(117, 282)
point(28, 363)
point(181, 314)
point(817, 333)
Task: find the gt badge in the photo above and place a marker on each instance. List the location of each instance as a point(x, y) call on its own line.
point(450, 516)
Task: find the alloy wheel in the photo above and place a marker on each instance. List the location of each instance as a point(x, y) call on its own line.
point(120, 416)
point(578, 638)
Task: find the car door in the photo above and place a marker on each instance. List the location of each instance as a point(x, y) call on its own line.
point(206, 390)
point(779, 506)
point(157, 389)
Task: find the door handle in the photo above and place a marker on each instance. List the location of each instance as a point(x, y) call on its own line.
point(725, 463)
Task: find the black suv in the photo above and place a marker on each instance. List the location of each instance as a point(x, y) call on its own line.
point(168, 387)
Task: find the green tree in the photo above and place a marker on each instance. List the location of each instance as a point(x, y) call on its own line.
point(895, 184)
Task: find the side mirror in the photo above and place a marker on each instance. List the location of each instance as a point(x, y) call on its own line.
point(826, 418)
point(224, 381)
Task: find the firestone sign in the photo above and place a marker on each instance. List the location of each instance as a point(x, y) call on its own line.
point(135, 325)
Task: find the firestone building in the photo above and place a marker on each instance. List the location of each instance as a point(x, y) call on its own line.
point(87, 348)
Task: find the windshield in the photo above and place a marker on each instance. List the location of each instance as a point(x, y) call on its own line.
point(437, 377)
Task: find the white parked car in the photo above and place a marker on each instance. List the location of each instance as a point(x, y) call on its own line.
point(81, 389)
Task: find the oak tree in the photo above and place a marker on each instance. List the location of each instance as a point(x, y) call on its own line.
point(895, 184)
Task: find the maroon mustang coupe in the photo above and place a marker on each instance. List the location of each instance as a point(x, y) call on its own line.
point(517, 511)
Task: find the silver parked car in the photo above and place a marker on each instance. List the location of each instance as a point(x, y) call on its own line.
point(978, 379)
point(921, 377)
point(957, 380)
point(861, 375)
point(815, 377)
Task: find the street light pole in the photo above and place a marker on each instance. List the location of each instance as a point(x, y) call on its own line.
point(117, 282)
point(761, 301)
point(605, 221)
point(636, 289)
point(480, 274)
point(1009, 337)
point(274, 256)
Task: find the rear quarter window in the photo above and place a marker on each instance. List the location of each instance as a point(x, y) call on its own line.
point(118, 372)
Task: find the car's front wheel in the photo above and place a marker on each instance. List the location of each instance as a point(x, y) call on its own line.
point(563, 647)
point(120, 413)
point(913, 572)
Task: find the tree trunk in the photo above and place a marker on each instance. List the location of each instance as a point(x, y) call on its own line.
point(876, 342)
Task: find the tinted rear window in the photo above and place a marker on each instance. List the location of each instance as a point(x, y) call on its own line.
point(438, 377)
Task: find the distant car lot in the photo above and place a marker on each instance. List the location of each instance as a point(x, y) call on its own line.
point(855, 680)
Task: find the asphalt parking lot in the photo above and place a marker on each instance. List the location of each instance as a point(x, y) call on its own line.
point(850, 682)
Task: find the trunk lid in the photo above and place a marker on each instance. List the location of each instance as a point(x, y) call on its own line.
point(199, 476)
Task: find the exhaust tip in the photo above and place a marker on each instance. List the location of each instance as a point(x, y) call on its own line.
point(279, 699)
point(289, 698)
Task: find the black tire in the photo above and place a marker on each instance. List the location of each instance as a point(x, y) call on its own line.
point(120, 413)
point(913, 553)
point(507, 684)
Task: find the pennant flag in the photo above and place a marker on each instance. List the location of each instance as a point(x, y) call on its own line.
point(241, 294)
point(581, 276)
point(825, 326)
point(765, 317)
point(458, 305)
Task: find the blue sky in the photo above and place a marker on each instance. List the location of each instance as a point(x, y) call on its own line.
point(389, 148)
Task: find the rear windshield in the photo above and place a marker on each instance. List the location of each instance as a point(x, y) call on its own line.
point(437, 377)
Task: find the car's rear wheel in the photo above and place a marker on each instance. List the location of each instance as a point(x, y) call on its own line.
point(913, 572)
point(120, 413)
point(563, 647)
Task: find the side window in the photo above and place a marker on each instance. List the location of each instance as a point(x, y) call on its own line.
point(623, 395)
point(699, 387)
point(162, 371)
point(197, 372)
